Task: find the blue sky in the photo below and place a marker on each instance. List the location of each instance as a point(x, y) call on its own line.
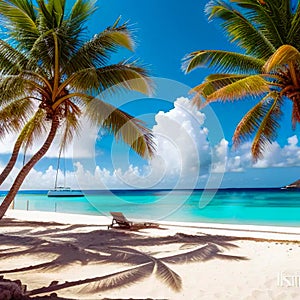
point(165, 31)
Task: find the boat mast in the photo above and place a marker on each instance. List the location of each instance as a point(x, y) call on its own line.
point(65, 171)
point(57, 168)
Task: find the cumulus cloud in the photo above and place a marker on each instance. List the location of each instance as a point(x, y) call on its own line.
point(182, 151)
point(274, 156)
point(220, 151)
point(184, 157)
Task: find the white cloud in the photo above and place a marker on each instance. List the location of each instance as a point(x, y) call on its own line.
point(220, 151)
point(181, 145)
point(184, 157)
point(274, 156)
point(86, 138)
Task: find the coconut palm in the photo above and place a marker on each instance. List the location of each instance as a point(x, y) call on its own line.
point(268, 70)
point(50, 76)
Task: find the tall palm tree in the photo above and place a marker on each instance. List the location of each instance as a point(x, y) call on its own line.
point(268, 70)
point(50, 76)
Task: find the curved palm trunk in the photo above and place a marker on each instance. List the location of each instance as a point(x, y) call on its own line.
point(12, 161)
point(26, 169)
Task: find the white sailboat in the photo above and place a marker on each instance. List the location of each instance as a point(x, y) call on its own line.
point(63, 191)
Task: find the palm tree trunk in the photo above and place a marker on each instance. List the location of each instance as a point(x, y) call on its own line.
point(11, 162)
point(26, 169)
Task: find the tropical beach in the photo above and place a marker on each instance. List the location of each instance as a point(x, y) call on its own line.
point(149, 150)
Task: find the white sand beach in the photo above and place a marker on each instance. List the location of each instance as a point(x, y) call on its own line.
point(175, 261)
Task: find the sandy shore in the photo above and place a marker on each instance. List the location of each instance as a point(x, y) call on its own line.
point(175, 261)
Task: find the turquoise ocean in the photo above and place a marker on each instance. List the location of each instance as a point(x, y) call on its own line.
point(234, 206)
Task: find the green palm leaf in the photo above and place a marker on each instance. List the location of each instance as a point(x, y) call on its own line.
point(110, 79)
point(14, 116)
point(11, 60)
point(16, 87)
point(253, 85)
point(266, 131)
point(213, 83)
point(96, 51)
point(223, 61)
point(122, 125)
point(80, 12)
point(268, 18)
point(70, 124)
point(18, 17)
point(33, 129)
point(240, 30)
point(252, 120)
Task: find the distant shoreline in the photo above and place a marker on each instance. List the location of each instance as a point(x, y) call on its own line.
point(158, 190)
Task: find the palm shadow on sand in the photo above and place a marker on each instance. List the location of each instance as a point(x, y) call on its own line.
point(106, 247)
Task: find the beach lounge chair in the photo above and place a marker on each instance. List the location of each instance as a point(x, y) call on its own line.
point(120, 220)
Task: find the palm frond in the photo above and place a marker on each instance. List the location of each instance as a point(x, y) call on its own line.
point(253, 85)
point(239, 29)
point(96, 52)
point(33, 129)
point(251, 121)
point(211, 84)
point(25, 6)
point(272, 18)
point(15, 87)
point(266, 131)
point(222, 61)
point(284, 55)
point(14, 116)
point(70, 124)
point(48, 17)
point(19, 18)
point(59, 11)
point(12, 61)
point(42, 52)
point(122, 125)
point(80, 12)
point(111, 79)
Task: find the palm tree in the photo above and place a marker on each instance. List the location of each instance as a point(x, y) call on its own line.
point(50, 76)
point(268, 70)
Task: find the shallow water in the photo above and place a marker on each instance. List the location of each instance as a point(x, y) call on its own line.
point(236, 206)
